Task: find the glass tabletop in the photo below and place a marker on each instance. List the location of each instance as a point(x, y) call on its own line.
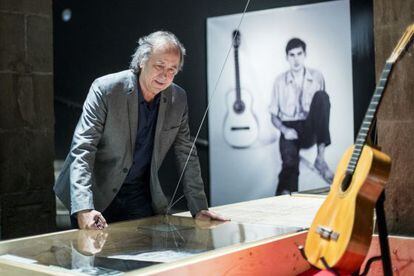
point(131, 245)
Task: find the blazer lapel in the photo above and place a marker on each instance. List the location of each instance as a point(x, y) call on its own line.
point(132, 99)
point(164, 102)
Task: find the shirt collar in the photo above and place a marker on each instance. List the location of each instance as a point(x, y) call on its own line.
point(308, 75)
point(290, 78)
point(141, 99)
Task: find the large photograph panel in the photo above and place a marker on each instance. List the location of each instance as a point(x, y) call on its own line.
point(260, 81)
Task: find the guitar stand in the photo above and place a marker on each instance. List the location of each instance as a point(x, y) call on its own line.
point(330, 269)
point(383, 239)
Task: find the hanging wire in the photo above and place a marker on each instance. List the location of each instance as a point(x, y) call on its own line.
point(172, 202)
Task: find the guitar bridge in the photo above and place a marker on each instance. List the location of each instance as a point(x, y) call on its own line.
point(327, 233)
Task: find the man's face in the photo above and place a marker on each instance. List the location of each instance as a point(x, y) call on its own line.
point(158, 72)
point(296, 58)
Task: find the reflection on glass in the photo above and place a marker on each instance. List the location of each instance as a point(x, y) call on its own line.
point(131, 245)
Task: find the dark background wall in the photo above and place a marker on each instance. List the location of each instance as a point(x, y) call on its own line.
point(101, 36)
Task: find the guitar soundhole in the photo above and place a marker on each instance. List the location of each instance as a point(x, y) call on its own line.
point(239, 106)
point(346, 182)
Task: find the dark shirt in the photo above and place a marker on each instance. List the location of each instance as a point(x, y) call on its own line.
point(136, 184)
point(144, 143)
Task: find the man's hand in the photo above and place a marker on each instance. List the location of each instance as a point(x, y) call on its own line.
point(290, 133)
point(208, 215)
point(91, 219)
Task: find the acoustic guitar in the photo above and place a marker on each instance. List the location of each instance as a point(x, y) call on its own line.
point(341, 232)
point(240, 124)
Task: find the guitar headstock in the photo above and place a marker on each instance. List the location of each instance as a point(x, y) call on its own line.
point(236, 38)
point(402, 44)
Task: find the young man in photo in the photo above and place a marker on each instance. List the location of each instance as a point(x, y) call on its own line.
point(300, 110)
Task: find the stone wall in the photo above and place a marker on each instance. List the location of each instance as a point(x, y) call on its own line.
point(27, 204)
point(396, 114)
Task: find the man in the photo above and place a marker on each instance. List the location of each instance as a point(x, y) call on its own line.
point(300, 110)
point(130, 120)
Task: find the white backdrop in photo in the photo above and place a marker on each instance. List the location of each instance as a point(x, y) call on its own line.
point(251, 173)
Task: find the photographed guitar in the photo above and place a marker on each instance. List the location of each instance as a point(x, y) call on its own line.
point(342, 229)
point(240, 123)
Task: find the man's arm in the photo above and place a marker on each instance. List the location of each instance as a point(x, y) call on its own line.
point(289, 133)
point(274, 108)
point(192, 181)
point(193, 185)
point(87, 135)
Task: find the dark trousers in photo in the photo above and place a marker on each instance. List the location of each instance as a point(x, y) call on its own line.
point(313, 130)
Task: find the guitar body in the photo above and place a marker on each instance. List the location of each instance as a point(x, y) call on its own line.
point(240, 128)
point(348, 214)
point(341, 232)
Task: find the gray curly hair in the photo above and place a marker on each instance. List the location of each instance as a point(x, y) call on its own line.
point(147, 44)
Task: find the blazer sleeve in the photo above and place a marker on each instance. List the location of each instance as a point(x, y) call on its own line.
point(193, 185)
point(87, 135)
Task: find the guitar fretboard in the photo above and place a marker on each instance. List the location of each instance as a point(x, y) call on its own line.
point(236, 63)
point(369, 117)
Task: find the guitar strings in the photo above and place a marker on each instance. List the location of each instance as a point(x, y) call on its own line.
point(172, 202)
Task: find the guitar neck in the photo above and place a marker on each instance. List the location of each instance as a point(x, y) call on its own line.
point(369, 117)
point(236, 63)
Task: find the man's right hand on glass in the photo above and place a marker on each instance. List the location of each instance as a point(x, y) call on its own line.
point(91, 219)
point(290, 133)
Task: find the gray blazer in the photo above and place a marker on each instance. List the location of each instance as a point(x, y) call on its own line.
point(103, 144)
